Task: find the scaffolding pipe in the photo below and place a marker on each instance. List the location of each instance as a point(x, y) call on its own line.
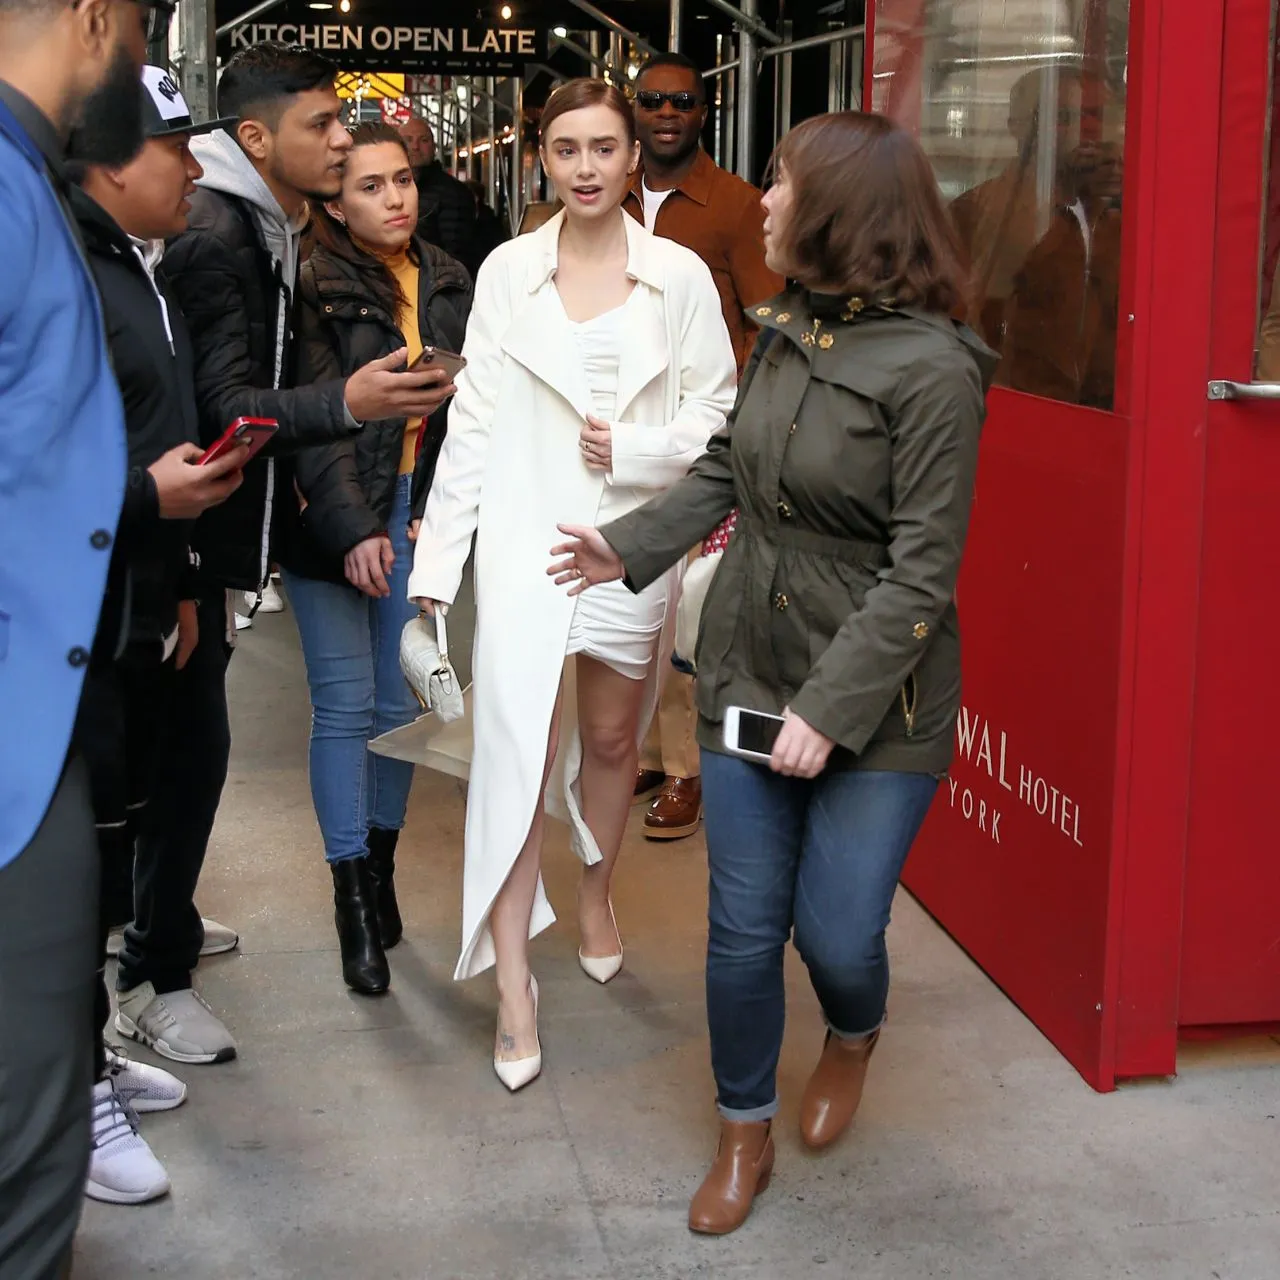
point(196, 32)
point(746, 18)
point(814, 42)
point(721, 69)
point(491, 88)
point(248, 16)
point(563, 42)
point(616, 27)
point(746, 96)
point(517, 198)
point(674, 24)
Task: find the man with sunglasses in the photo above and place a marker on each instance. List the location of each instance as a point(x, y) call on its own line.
point(62, 477)
point(681, 193)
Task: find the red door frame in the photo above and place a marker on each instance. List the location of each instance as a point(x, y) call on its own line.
point(1173, 178)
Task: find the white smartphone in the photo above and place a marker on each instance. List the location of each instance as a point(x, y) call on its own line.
point(750, 734)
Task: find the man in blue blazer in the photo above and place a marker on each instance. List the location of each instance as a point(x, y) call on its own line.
point(62, 476)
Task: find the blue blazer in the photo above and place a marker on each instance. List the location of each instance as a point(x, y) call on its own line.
point(62, 477)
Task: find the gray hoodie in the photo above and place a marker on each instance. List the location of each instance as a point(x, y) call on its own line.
point(229, 170)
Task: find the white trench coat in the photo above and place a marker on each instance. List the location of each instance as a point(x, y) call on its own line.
point(510, 470)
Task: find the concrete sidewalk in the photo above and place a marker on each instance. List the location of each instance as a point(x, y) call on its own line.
point(365, 1139)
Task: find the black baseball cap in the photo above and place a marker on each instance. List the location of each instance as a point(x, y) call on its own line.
point(165, 111)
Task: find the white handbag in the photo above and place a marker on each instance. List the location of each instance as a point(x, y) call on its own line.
point(424, 659)
point(693, 592)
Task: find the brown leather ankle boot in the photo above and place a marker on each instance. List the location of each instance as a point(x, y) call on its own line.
point(742, 1168)
point(834, 1090)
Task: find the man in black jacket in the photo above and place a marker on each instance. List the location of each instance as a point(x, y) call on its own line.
point(148, 626)
point(447, 214)
point(235, 273)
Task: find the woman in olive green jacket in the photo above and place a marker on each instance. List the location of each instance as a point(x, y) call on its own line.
point(850, 457)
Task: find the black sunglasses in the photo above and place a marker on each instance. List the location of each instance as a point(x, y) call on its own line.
point(652, 100)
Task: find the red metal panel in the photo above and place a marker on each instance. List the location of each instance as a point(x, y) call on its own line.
point(1231, 949)
point(1015, 860)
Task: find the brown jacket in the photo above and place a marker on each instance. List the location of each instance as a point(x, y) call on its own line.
point(851, 460)
point(1061, 323)
point(719, 217)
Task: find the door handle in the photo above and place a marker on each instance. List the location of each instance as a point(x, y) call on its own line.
point(1244, 391)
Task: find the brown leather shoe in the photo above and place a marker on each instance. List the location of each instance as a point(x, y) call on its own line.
point(834, 1090)
point(676, 811)
point(647, 782)
point(741, 1171)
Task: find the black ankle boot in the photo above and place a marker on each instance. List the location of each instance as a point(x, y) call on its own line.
point(382, 870)
point(364, 964)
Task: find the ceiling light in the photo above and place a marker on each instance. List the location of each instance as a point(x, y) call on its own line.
point(319, 4)
point(506, 13)
point(345, 6)
point(560, 32)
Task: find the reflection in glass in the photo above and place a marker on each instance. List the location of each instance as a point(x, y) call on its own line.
point(1020, 106)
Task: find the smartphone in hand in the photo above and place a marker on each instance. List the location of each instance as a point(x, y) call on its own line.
point(437, 358)
point(255, 431)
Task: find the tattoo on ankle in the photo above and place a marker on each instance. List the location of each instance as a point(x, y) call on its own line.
point(508, 1042)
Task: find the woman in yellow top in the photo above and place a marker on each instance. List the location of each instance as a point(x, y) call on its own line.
point(371, 289)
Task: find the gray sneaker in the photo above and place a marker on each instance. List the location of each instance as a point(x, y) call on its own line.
point(177, 1025)
point(218, 939)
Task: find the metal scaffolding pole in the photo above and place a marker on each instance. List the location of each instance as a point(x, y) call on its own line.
point(491, 88)
point(594, 57)
point(674, 25)
point(248, 16)
point(747, 18)
point(198, 39)
point(471, 126)
point(595, 63)
point(617, 59)
point(813, 42)
point(616, 27)
point(747, 95)
point(516, 204)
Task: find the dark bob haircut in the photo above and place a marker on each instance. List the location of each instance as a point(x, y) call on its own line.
point(261, 81)
point(866, 216)
point(581, 93)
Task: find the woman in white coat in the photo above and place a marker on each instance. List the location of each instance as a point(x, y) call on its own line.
point(598, 367)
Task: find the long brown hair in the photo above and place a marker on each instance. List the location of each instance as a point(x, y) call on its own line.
point(866, 215)
point(334, 237)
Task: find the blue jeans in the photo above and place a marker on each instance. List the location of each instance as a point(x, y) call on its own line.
point(819, 857)
point(351, 643)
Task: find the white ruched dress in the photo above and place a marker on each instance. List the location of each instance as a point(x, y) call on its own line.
point(610, 623)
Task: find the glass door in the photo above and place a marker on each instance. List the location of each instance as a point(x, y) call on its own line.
point(1021, 106)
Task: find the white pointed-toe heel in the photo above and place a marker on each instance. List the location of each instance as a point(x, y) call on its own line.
point(603, 969)
point(522, 1071)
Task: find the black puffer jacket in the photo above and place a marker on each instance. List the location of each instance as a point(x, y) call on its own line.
point(151, 353)
point(240, 311)
point(448, 217)
point(349, 486)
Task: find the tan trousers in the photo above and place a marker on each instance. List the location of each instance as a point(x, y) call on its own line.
point(672, 746)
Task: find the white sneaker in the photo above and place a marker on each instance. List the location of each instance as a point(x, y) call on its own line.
point(177, 1025)
point(122, 1169)
point(243, 623)
point(143, 1087)
point(218, 939)
point(272, 600)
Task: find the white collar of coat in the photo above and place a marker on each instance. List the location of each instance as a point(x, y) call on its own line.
point(643, 263)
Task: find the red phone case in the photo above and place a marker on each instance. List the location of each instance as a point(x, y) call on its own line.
point(257, 430)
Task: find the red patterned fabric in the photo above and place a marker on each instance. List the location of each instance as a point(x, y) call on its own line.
point(719, 536)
